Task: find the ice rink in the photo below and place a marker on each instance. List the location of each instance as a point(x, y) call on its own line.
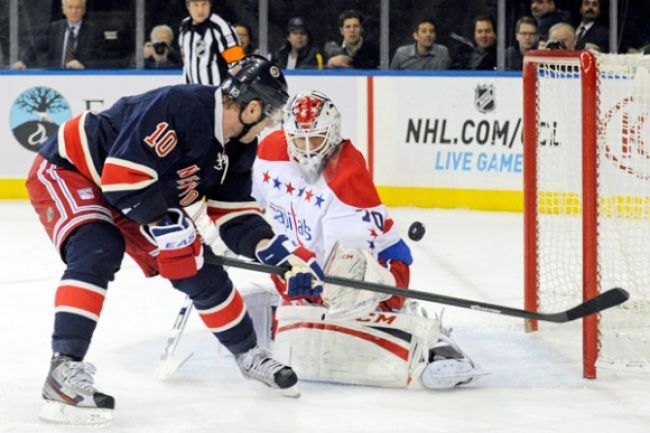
point(535, 383)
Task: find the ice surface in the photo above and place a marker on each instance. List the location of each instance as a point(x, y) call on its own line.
point(535, 385)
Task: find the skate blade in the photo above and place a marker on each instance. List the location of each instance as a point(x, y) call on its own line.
point(60, 413)
point(291, 392)
point(168, 367)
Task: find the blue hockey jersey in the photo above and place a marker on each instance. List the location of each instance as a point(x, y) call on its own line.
point(162, 149)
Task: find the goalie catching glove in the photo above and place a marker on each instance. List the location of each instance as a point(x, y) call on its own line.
point(180, 252)
point(305, 278)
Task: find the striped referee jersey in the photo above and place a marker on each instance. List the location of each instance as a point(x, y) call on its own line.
point(208, 48)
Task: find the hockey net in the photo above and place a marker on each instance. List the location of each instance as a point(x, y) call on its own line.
point(587, 196)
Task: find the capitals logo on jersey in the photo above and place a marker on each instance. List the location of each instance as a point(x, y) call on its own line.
point(291, 222)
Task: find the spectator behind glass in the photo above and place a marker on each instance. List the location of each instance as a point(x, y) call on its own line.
point(589, 31)
point(72, 43)
point(547, 15)
point(424, 53)
point(562, 36)
point(527, 37)
point(484, 54)
point(209, 45)
point(354, 52)
point(298, 52)
point(159, 52)
point(245, 35)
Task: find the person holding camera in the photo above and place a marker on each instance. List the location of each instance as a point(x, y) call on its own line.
point(159, 52)
point(561, 36)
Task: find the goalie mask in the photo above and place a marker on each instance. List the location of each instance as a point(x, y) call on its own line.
point(312, 126)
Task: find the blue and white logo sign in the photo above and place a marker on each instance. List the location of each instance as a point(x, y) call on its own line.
point(36, 115)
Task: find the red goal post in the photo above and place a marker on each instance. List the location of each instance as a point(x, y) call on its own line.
point(587, 196)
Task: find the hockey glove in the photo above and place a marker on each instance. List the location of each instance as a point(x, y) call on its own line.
point(180, 252)
point(305, 277)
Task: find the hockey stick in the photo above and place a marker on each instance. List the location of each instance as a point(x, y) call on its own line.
point(168, 365)
point(607, 299)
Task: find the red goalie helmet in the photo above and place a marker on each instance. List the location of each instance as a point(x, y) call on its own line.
point(312, 125)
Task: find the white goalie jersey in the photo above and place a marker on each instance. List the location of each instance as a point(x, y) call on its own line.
point(342, 205)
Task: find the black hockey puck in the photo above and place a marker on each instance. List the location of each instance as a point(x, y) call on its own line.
point(416, 231)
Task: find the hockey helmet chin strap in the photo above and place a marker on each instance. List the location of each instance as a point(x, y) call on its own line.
point(267, 113)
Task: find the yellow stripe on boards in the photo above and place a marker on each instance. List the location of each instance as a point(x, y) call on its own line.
point(478, 199)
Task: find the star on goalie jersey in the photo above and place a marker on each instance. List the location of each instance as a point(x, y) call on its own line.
point(161, 149)
point(342, 205)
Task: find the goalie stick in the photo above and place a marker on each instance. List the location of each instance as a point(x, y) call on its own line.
point(607, 299)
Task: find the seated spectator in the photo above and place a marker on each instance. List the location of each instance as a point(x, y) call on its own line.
point(73, 42)
point(424, 53)
point(562, 36)
point(245, 35)
point(159, 52)
point(527, 37)
point(547, 15)
point(354, 52)
point(484, 54)
point(591, 34)
point(298, 52)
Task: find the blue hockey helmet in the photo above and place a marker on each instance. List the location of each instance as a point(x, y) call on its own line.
point(258, 78)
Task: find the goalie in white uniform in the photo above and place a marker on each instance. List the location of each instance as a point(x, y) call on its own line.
point(316, 188)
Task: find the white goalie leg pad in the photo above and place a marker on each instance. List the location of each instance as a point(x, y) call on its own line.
point(60, 413)
point(356, 264)
point(378, 349)
point(261, 302)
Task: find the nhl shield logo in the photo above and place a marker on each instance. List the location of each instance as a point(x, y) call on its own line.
point(201, 48)
point(484, 97)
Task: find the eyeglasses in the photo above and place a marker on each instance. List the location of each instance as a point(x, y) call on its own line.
point(527, 33)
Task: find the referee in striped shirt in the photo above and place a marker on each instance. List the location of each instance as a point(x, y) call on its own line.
point(208, 44)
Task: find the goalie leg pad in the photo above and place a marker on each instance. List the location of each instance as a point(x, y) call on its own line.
point(261, 304)
point(380, 349)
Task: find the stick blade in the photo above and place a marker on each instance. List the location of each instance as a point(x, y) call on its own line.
point(167, 367)
point(603, 301)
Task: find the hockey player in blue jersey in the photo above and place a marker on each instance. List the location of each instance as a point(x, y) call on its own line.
point(115, 182)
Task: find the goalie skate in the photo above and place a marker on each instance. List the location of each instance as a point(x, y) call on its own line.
point(257, 364)
point(70, 397)
point(448, 366)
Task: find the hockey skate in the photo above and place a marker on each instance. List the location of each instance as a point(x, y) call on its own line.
point(70, 397)
point(448, 366)
point(257, 364)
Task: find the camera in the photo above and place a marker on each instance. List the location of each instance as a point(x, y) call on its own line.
point(160, 47)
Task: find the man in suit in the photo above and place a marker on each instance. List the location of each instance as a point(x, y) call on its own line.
point(589, 31)
point(72, 43)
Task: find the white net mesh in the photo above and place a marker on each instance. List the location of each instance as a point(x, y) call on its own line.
point(623, 185)
point(624, 207)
